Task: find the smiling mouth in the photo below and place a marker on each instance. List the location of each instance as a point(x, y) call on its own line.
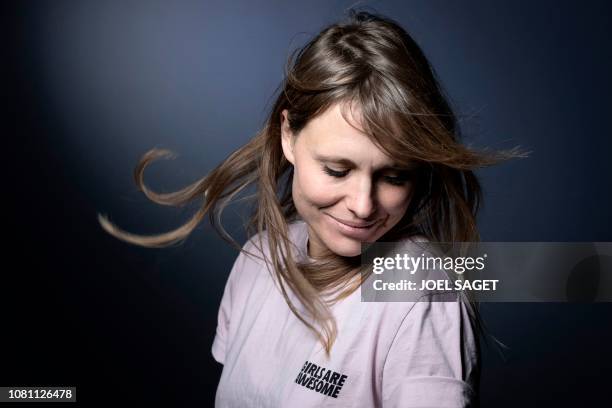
point(354, 224)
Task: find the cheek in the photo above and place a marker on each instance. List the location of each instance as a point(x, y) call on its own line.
point(395, 201)
point(314, 188)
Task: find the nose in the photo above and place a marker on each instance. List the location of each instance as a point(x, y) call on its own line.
point(361, 198)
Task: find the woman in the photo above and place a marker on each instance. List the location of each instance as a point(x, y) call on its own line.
point(360, 146)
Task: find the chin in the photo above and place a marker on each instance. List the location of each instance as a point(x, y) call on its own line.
point(348, 250)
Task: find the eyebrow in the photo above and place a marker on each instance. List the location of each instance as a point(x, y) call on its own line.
point(349, 163)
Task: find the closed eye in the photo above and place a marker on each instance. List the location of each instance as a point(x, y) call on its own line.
point(335, 173)
point(394, 180)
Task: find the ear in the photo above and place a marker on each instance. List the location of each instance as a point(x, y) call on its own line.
point(287, 137)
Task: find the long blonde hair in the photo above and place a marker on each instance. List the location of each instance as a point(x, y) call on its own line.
point(370, 60)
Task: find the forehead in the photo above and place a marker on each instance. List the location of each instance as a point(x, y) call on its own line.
point(330, 137)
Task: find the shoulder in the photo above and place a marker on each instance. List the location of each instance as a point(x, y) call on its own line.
point(260, 242)
point(257, 248)
point(434, 357)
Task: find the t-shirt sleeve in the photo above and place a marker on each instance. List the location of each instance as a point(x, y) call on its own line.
point(228, 305)
point(434, 358)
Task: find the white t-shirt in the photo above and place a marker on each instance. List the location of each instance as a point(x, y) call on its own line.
point(386, 354)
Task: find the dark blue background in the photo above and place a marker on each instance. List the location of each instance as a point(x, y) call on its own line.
point(89, 86)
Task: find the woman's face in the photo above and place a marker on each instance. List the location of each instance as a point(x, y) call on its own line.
point(345, 188)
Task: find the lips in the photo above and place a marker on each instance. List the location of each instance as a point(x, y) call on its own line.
point(354, 224)
point(362, 233)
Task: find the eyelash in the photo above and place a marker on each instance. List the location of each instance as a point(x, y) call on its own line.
point(396, 181)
